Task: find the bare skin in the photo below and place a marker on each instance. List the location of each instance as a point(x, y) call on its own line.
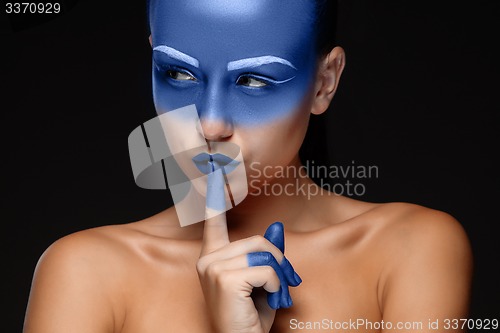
point(394, 262)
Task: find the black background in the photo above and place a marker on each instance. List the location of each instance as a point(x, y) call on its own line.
point(418, 99)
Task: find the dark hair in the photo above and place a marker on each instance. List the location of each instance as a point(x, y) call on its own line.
point(314, 149)
point(326, 25)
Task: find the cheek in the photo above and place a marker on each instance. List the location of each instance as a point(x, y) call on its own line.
point(283, 101)
point(273, 105)
point(276, 143)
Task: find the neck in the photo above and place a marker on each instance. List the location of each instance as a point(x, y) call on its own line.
point(300, 207)
point(286, 198)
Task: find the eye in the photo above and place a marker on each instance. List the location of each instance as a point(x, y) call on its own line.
point(252, 82)
point(180, 76)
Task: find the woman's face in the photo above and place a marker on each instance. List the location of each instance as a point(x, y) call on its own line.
point(248, 66)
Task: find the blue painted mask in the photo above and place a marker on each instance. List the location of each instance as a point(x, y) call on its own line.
point(243, 62)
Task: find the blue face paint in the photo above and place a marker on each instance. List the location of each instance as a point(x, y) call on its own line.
point(241, 62)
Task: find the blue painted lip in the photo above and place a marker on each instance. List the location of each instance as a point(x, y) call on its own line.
point(208, 163)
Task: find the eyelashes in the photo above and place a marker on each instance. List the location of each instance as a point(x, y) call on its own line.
point(257, 81)
point(176, 74)
point(180, 76)
point(252, 82)
point(248, 80)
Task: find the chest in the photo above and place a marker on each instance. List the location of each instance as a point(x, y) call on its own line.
point(336, 290)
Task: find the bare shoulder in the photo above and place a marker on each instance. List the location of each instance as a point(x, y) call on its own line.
point(86, 249)
point(414, 225)
point(83, 277)
point(425, 259)
point(397, 221)
point(103, 249)
point(403, 230)
point(89, 247)
point(400, 227)
point(72, 284)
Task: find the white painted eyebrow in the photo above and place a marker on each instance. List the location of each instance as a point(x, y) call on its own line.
point(176, 54)
point(256, 62)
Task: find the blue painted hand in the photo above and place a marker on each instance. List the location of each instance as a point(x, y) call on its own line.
point(275, 233)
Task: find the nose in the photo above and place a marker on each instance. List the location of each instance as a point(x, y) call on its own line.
point(216, 129)
point(216, 121)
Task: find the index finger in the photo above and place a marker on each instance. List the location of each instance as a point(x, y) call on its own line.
point(215, 233)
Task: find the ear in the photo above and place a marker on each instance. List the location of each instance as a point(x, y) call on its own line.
point(330, 69)
point(150, 40)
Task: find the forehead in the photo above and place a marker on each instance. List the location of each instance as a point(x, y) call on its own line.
point(233, 29)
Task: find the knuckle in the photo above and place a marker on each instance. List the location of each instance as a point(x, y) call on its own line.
point(213, 270)
point(272, 278)
point(259, 241)
point(224, 280)
point(201, 265)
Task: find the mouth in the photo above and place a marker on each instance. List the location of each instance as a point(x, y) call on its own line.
point(208, 163)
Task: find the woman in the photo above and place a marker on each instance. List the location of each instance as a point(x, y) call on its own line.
point(255, 74)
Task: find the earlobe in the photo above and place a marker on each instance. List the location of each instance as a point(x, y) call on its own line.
point(150, 40)
point(329, 72)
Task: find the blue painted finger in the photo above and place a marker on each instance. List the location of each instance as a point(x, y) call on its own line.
point(275, 233)
point(292, 278)
point(274, 299)
point(282, 297)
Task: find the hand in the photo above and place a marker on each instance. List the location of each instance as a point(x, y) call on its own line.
point(230, 285)
point(228, 282)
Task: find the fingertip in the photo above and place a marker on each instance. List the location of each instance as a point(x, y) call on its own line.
point(273, 299)
point(297, 278)
point(277, 224)
point(274, 228)
point(285, 293)
point(292, 278)
point(286, 300)
point(275, 233)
